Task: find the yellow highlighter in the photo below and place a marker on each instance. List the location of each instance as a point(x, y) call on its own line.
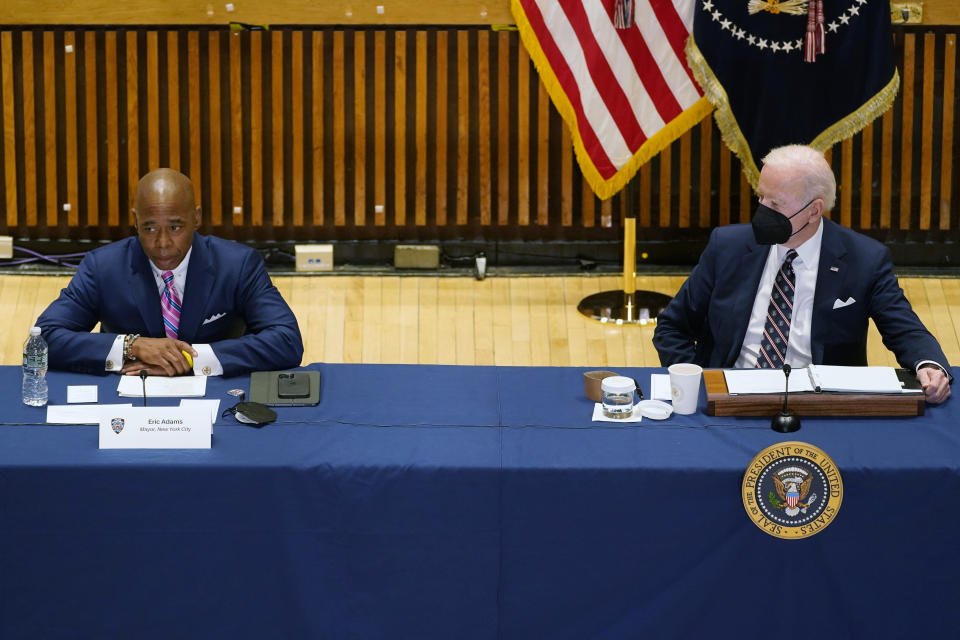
point(188, 357)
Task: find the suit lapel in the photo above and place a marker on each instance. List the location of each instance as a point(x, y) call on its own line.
point(831, 274)
point(144, 291)
point(200, 279)
point(751, 269)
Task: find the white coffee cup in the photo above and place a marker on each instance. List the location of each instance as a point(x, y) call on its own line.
point(685, 387)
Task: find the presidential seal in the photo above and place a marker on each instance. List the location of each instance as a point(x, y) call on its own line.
point(792, 490)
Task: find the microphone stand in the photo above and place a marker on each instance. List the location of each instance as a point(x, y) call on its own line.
point(143, 378)
point(785, 422)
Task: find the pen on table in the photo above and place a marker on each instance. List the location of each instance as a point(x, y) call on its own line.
point(639, 390)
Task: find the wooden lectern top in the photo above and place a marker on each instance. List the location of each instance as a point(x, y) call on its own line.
point(722, 403)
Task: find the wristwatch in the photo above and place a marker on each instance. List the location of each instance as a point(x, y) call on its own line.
point(128, 341)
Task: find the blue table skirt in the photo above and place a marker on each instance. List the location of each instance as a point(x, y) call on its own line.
point(466, 502)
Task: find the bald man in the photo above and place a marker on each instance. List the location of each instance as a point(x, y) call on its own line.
point(171, 301)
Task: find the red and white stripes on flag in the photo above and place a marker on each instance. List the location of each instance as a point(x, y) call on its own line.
point(625, 94)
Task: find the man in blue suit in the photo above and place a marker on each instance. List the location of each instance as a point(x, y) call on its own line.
point(171, 300)
point(795, 288)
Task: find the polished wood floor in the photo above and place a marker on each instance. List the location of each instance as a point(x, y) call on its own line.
point(457, 320)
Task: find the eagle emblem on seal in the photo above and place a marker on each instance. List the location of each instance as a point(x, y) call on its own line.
point(792, 485)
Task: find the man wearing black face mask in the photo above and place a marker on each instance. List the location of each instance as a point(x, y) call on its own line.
point(795, 287)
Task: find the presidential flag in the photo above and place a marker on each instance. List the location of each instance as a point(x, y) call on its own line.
point(625, 93)
point(788, 71)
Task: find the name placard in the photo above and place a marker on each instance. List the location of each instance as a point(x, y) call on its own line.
point(156, 428)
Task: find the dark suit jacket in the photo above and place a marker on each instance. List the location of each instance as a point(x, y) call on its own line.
point(229, 303)
point(705, 323)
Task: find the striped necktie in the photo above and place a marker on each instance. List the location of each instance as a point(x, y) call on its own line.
point(170, 305)
point(776, 330)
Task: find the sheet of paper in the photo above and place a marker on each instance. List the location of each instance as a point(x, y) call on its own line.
point(856, 379)
point(81, 414)
point(598, 416)
point(660, 386)
point(163, 387)
point(742, 381)
point(212, 405)
point(81, 393)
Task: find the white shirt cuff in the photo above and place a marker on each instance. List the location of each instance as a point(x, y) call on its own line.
point(934, 363)
point(114, 360)
point(206, 362)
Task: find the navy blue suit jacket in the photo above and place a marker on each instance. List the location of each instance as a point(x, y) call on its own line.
point(705, 323)
point(229, 303)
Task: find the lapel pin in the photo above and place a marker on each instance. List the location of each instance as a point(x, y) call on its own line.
point(834, 268)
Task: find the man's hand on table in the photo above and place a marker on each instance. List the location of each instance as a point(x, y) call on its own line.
point(159, 357)
point(936, 385)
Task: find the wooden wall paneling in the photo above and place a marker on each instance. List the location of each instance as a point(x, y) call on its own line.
point(132, 118)
point(704, 214)
point(112, 126)
point(277, 134)
point(30, 167)
point(543, 155)
point(606, 211)
point(566, 176)
point(483, 125)
point(317, 99)
point(886, 168)
point(214, 140)
point(747, 199)
point(420, 129)
point(906, 130)
point(926, 129)
point(236, 205)
point(70, 126)
point(399, 169)
point(379, 127)
point(846, 182)
point(9, 129)
point(501, 133)
point(256, 128)
point(523, 136)
point(50, 176)
point(865, 189)
point(91, 128)
point(726, 180)
point(663, 207)
point(463, 125)
point(193, 109)
point(441, 126)
point(947, 151)
point(587, 204)
point(297, 102)
point(359, 161)
point(172, 68)
point(683, 181)
point(153, 100)
point(644, 205)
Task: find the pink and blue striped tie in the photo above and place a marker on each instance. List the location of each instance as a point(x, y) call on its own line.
point(170, 304)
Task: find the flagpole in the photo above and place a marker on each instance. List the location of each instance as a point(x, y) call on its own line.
point(628, 305)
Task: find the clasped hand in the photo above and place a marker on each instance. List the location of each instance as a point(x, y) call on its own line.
point(159, 357)
point(936, 385)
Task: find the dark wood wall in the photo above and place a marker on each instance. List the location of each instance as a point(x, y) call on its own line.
point(395, 133)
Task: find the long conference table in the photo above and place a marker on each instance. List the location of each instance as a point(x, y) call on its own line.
point(467, 502)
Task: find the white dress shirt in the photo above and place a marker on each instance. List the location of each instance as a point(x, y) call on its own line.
point(206, 362)
point(805, 267)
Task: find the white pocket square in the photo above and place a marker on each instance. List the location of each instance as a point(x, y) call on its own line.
point(215, 316)
point(838, 303)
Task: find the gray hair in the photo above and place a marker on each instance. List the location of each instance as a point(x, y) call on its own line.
point(816, 175)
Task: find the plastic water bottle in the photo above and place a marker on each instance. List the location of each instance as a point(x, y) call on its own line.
point(35, 369)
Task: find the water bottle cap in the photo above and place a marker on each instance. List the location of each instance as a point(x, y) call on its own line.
point(34, 331)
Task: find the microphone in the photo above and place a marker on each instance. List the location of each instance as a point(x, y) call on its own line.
point(143, 377)
point(785, 422)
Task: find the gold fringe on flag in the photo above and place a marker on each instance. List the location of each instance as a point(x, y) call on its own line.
point(733, 137)
point(604, 188)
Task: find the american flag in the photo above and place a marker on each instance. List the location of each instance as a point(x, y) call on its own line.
point(626, 93)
